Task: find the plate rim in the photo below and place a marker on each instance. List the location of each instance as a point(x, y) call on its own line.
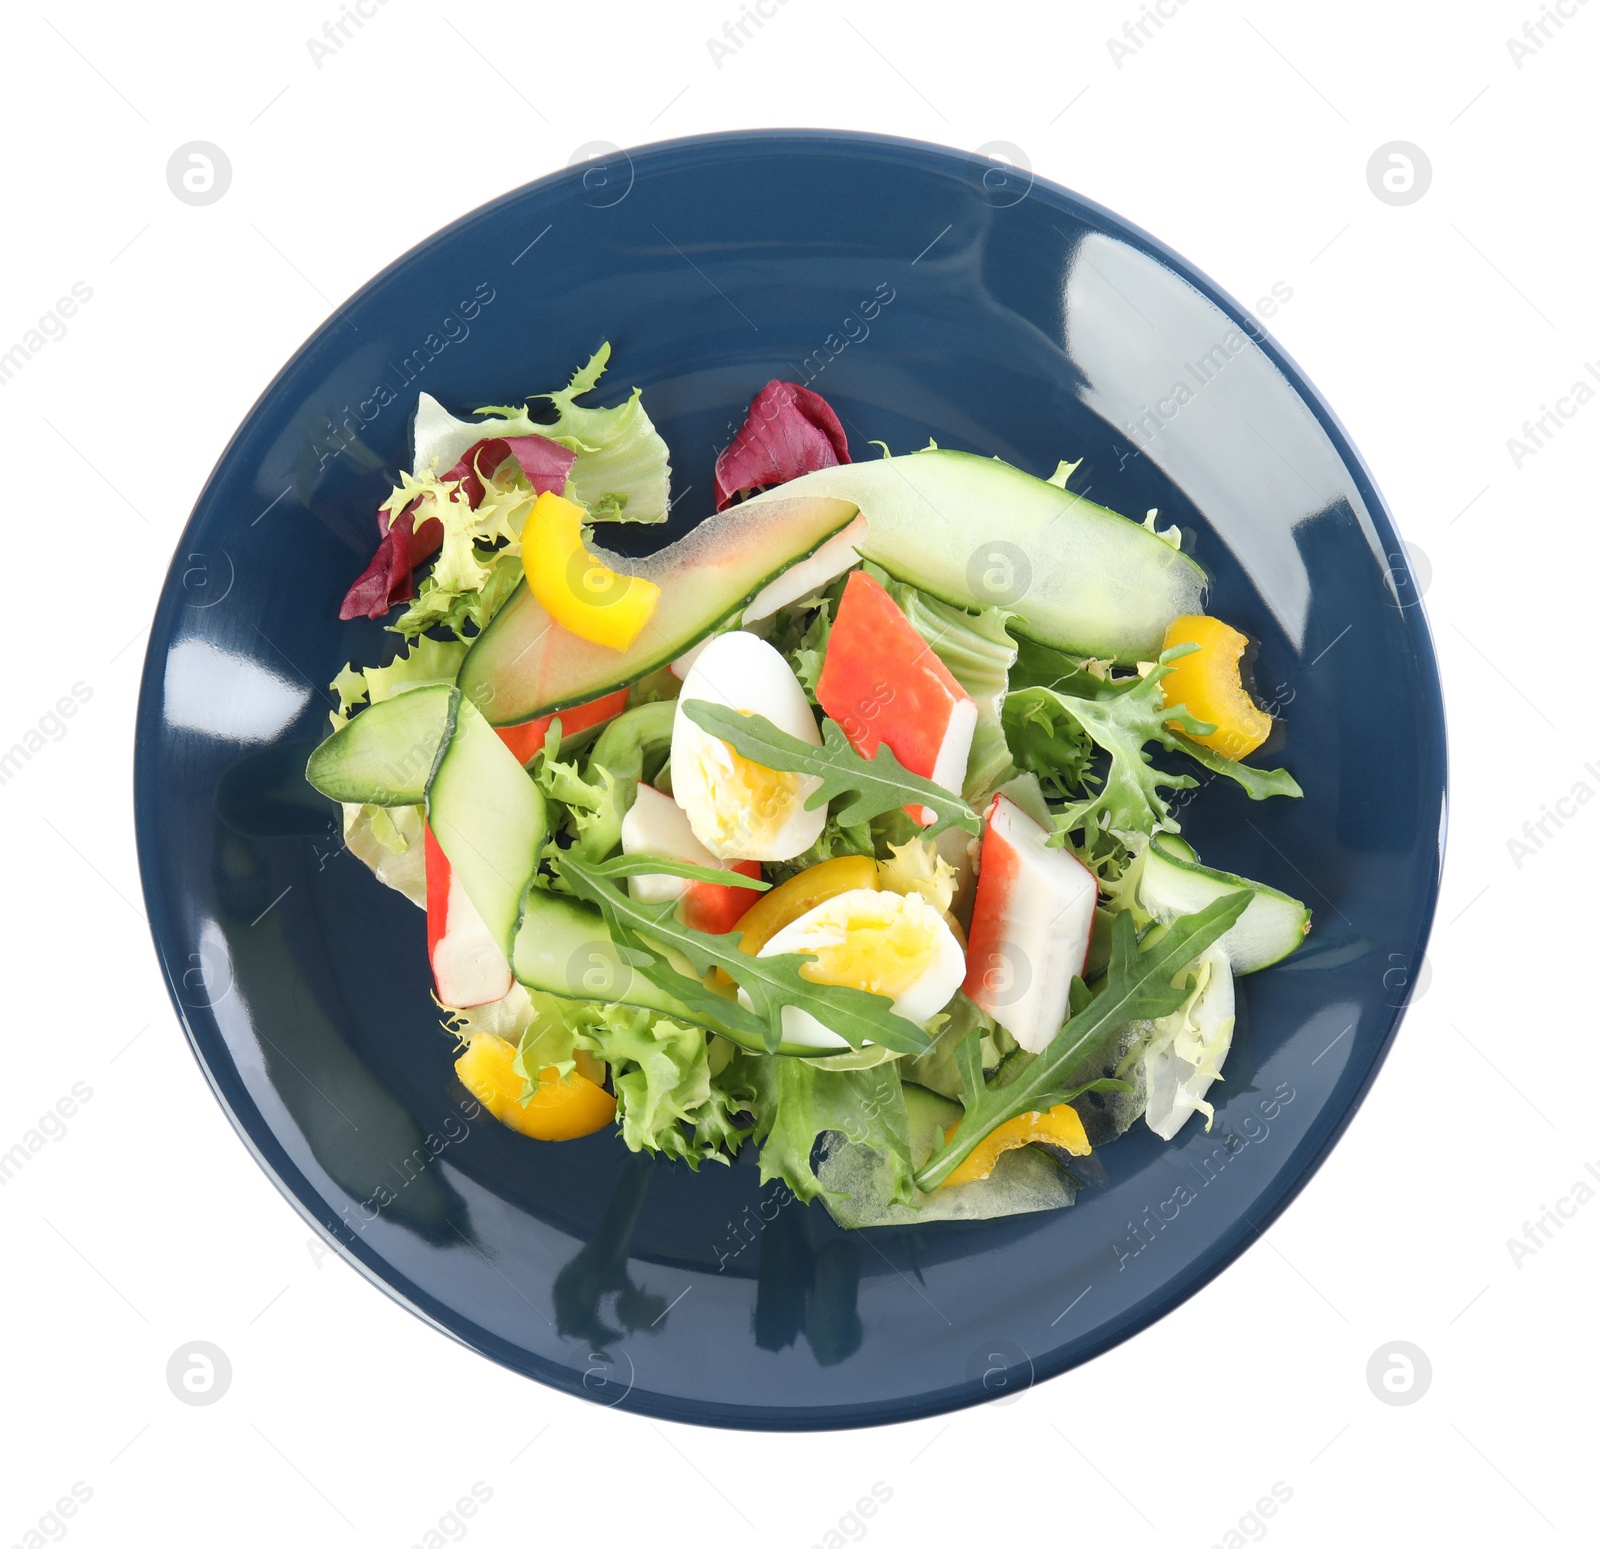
point(298, 1189)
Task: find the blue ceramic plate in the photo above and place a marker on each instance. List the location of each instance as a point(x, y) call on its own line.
point(1011, 318)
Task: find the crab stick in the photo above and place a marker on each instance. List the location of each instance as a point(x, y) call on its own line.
point(1030, 928)
point(883, 684)
point(469, 968)
point(527, 738)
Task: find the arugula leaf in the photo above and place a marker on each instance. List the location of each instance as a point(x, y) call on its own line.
point(656, 866)
point(642, 931)
point(1138, 986)
point(873, 785)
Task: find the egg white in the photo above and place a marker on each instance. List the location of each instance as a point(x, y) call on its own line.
point(744, 673)
point(825, 926)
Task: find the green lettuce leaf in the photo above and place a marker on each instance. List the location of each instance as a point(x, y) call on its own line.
point(595, 797)
point(810, 646)
point(795, 1104)
point(425, 662)
point(669, 1102)
point(622, 472)
point(439, 605)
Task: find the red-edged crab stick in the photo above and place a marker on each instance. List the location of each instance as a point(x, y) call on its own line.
point(882, 683)
point(469, 968)
point(1031, 920)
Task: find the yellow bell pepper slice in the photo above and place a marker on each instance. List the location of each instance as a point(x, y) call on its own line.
point(1061, 1127)
point(558, 1110)
point(1207, 683)
point(801, 894)
point(576, 589)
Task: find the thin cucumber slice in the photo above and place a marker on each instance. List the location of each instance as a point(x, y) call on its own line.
point(490, 820)
point(385, 756)
point(526, 665)
point(1173, 883)
point(977, 532)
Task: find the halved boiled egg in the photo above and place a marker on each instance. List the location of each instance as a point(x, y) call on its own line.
point(892, 944)
point(739, 809)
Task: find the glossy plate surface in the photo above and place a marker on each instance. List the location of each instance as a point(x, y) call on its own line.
point(924, 293)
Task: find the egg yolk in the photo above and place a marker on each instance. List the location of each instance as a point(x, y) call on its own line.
point(871, 947)
point(747, 799)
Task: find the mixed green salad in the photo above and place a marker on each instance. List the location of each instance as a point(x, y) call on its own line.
point(830, 829)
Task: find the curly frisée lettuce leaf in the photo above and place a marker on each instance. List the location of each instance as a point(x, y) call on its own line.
point(424, 663)
point(661, 1075)
point(596, 798)
point(437, 606)
point(623, 471)
point(478, 563)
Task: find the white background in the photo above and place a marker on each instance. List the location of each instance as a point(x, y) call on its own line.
point(1239, 136)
